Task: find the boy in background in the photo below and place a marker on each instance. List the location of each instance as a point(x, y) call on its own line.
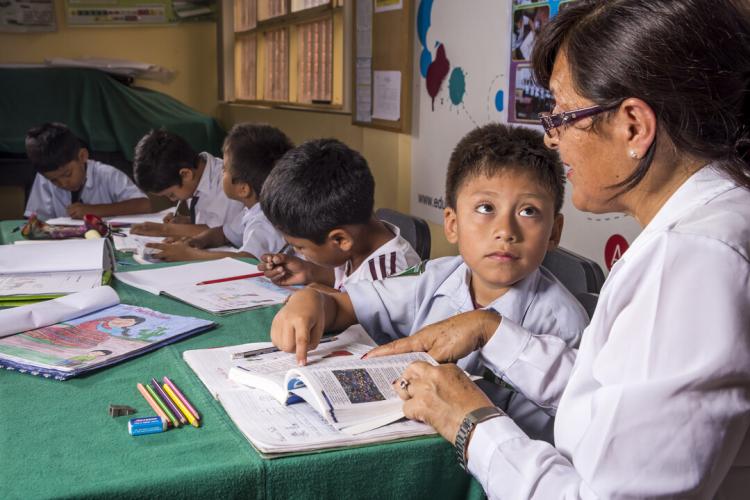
point(321, 197)
point(504, 192)
point(69, 184)
point(250, 152)
point(166, 165)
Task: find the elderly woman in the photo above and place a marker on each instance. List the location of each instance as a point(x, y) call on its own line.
point(652, 99)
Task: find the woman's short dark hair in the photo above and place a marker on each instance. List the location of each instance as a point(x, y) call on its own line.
point(689, 60)
point(317, 187)
point(159, 157)
point(495, 148)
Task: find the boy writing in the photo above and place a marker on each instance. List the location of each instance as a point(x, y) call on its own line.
point(69, 184)
point(166, 165)
point(250, 152)
point(504, 191)
point(321, 197)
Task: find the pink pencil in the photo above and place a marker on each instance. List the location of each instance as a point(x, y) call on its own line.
point(182, 398)
point(152, 403)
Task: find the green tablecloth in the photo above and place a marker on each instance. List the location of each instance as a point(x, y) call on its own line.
point(57, 440)
point(106, 114)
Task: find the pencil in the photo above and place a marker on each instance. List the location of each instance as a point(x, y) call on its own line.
point(168, 402)
point(182, 397)
point(152, 403)
point(172, 418)
point(181, 406)
point(231, 278)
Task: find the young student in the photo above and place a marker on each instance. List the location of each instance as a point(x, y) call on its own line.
point(69, 184)
point(321, 197)
point(504, 191)
point(166, 165)
point(250, 152)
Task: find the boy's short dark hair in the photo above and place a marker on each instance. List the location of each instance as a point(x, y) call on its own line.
point(317, 187)
point(159, 157)
point(50, 146)
point(495, 147)
point(254, 150)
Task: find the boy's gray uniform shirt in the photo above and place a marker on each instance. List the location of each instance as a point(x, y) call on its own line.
point(400, 306)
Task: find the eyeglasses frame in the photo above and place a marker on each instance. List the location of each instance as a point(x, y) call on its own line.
point(553, 121)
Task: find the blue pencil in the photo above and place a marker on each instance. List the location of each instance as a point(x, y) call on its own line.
point(167, 401)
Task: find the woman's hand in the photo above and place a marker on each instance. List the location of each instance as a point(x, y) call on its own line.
point(449, 340)
point(440, 396)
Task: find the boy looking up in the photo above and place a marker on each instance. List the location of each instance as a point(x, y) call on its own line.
point(69, 184)
point(250, 152)
point(166, 165)
point(321, 197)
point(504, 192)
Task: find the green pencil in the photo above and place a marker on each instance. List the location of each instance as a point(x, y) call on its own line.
point(172, 418)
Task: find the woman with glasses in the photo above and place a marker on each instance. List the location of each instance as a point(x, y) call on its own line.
point(651, 119)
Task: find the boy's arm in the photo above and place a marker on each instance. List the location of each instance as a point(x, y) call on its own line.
point(213, 237)
point(300, 324)
point(286, 270)
point(168, 230)
point(126, 207)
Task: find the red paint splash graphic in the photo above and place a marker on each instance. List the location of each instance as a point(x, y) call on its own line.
point(436, 73)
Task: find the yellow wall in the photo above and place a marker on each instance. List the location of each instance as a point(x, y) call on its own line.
point(188, 49)
point(388, 153)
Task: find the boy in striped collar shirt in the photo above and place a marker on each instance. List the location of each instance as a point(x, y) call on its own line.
point(320, 196)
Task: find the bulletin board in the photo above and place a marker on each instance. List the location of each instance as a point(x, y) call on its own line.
point(136, 12)
point(382, 64)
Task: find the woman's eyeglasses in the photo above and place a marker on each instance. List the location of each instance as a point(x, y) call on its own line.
point(551, 122)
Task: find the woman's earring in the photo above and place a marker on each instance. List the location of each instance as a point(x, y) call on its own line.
point(633, 155)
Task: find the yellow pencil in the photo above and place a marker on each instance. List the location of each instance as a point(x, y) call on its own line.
point(180, 405)
point(152, 403)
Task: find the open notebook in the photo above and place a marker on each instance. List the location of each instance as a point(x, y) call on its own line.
point(275, 429)
point(221, 295)
point(30, 273)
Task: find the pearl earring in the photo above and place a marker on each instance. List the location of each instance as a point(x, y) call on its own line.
point(633, 155)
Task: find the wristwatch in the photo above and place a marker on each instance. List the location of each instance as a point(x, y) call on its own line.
point(467, 426)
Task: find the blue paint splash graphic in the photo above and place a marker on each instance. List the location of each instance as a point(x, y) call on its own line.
point(424, 21)
point(457, 86)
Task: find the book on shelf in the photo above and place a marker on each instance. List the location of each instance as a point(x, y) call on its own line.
point(30, 273)
point(80, 343)
point(215, 286)
point(359, 393)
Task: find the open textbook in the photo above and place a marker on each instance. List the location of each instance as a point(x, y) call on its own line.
point(221, 293)
point(32, 272)
point(275, 429)
point(118, 220)
point(82, 343)
point(137, 245)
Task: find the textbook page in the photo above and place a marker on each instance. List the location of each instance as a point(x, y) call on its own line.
point(123, 220)
point(62, 255)
point(20, 319)
point(231, 296)
point(157, 280)
point(57, 283)
point(273, 428)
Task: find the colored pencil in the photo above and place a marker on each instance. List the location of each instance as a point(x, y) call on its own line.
point(170, 416)
point(230, 278)
point(152, 403)
point(179, 405)
point(182, 397)
point(163, 395)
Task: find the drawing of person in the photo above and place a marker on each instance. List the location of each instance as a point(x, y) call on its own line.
point(83, 358)
point(88, 334)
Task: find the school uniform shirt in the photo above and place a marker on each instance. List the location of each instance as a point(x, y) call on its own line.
point(402, 305)
point(253, 233)
point(212, 207)
point(656, 403)
point(394, 256)
point(104, 184)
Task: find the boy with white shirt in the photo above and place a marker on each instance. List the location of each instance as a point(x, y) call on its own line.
point(69, 184)
point(320, 196)
point(250, 152)
point(504, 192)
point(166, 165)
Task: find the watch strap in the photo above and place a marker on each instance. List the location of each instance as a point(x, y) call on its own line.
point(467, 426)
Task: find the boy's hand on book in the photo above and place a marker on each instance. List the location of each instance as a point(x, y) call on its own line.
point(439, 396)
point(299, 325)
point(449, 340)
point(201, 240)
point(171, 252)
point(284, 269)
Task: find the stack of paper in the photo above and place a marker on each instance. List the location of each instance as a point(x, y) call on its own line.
point(30, 273)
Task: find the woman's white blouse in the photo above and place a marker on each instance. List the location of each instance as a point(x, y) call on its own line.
point(656, 403)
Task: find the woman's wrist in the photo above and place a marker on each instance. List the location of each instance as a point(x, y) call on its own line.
point(489, 323)
point(466, 430)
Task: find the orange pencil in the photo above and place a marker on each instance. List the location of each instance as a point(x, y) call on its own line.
point(152, 403)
